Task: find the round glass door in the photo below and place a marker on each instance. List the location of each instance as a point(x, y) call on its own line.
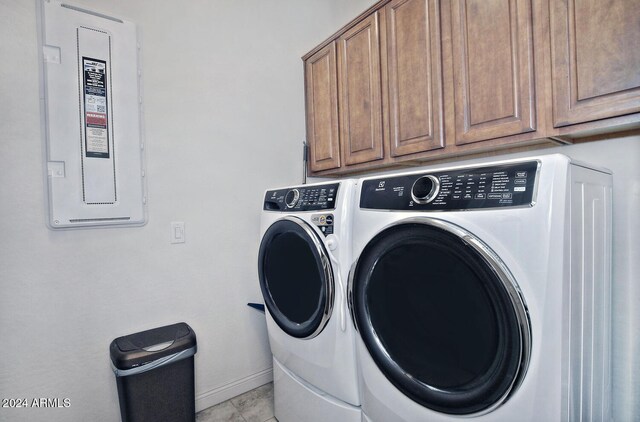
point(296, 277)
point(441, 316)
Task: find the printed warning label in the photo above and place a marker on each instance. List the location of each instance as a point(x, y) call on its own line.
point(95, 108)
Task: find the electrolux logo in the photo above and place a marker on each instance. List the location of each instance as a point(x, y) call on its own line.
point(380, 187)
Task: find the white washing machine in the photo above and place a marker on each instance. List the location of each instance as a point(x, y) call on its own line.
point(483, 292)
point(303, 267)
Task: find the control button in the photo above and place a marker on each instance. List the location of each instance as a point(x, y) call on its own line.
point(519, 189)
point(520, 181)
point(495, 196)
point(329, 220)
point(480, 196)
point(425, 189)
point(467, 196)
point(507, 196)
point(455, 196)
point(292, 198)
point(521, 174)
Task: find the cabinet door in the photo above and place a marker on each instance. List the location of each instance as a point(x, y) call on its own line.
point(493, 69)
point(595, 47)
point(414, 69)
point(360, 92)
point(321, 90)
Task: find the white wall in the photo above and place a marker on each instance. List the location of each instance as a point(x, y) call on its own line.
point(224, 114)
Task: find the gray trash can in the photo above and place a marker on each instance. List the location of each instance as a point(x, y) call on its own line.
point(154, 374)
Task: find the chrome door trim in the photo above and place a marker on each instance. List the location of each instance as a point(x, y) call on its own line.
point(504, 275)
point(352, 312)
point(326, 266)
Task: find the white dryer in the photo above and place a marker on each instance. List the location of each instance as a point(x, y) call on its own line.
point(303, 266)
point(484, 291)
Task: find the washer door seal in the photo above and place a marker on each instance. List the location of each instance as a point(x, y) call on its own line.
point(441, 316)
point(296, 278)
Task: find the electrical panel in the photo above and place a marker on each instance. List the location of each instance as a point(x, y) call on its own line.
point(92, 118)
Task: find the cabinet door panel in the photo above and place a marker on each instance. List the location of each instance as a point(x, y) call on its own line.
point(360, 93)
point(493, 69)
point(322, 109)
point(414, 66)
point(595, 49)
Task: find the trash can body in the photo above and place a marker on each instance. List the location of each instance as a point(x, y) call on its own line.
point(155, 374)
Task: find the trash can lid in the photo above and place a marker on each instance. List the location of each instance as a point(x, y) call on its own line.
point(145, 347)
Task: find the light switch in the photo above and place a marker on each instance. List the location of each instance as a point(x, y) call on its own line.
point(177, 232)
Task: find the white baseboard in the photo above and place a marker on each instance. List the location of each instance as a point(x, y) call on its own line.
point(232, 389)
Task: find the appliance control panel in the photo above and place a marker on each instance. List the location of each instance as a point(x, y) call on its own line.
point(497, 186)
point(302, 198)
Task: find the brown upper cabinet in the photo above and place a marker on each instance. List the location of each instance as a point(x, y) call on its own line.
point(390, 89)
point(360, 92)
point(493, 69)
point(322, 109)
point(413, 77)
point(595, 48)
point(415, 80)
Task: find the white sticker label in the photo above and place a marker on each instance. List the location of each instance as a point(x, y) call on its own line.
point(519, 188)
point(95, 108)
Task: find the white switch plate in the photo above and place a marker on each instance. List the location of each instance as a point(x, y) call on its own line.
point(177, 232)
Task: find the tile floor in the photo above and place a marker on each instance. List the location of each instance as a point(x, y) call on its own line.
point(253, 406)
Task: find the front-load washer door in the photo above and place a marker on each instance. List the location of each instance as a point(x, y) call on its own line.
point(441, 316)
point(296, 277)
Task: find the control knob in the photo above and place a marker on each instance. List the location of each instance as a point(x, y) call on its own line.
point(425, 189)
point(291, 198)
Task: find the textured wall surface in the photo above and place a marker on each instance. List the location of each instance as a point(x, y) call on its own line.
point(224, 117)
